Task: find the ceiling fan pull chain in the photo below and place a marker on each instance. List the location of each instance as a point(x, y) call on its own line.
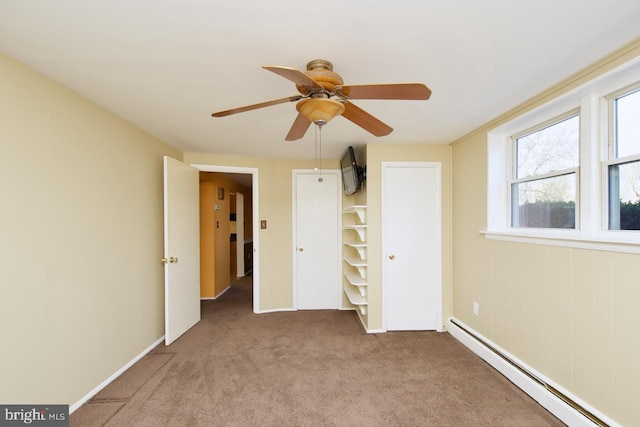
point(318, 131)
point(315, 150)
point(320, 157)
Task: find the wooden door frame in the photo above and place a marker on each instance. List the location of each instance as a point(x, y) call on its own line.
point(294, 174)
point(438, 168)
point(255, 221)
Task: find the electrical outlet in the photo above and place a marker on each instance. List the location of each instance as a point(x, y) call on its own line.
point(476, 308)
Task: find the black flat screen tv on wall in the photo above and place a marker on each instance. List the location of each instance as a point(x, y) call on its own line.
point(352, 174)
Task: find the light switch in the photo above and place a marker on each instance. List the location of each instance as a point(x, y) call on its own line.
point(263, 224)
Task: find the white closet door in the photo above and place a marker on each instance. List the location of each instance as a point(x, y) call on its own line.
point(411, 246)
point(316, 240)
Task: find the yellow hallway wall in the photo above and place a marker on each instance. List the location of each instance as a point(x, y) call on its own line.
point(207, 240)
point(568, 313)
point(81, 233)
point(215, 275)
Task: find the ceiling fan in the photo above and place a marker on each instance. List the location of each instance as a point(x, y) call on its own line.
point(319, 84)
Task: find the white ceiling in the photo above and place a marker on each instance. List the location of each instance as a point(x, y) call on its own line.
point(166, 65)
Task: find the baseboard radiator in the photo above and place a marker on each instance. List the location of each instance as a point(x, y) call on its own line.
point(576, 415)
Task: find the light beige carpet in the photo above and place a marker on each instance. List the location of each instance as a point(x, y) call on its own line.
point(307, 368)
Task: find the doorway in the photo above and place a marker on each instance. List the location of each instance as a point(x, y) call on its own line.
point(412, 248)
point(250, 250)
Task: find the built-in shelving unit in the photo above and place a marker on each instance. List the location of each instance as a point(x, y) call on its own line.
point(355, 256)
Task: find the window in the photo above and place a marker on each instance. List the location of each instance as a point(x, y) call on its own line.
point(567, 173)
point(623, 167)
point(545, 170)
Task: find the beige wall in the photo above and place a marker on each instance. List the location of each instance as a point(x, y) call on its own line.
point(569, 313)
point(376, 154)
point(275, 197)
point(275, 206)
point(80, 240)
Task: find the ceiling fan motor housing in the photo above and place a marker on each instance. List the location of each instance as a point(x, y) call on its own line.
point(322, 72)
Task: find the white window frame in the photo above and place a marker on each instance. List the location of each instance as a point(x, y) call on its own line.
point(591, 231)
point(610, 159)
point(513, 179)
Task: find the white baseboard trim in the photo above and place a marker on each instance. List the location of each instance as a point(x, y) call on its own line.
point(217, 296)
point(220, 294)
point(106, 382)
point(367, 330)
point(275, 310)
point(526, 378)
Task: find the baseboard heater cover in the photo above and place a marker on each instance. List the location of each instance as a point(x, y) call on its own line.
point(560, 403)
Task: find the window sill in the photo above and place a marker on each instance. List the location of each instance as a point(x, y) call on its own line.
point(614, 241)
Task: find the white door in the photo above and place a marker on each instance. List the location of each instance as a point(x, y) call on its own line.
point(411, 232)
point(316, 239)
point(181, 248)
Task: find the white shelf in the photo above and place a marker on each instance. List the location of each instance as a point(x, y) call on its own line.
point(359, 228)
point(355, 244)
point(356, 299)
point(355, 226)
point(358, 246)
point(356, 262)
point(355, 280)
point(359, 210)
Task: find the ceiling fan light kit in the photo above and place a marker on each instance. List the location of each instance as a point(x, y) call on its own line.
point(319, 110)
point(319, 84)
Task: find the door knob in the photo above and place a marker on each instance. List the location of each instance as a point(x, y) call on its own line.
point(300, 249)
point(392, 257)
point(173, 260)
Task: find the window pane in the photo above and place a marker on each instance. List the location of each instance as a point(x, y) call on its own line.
point(628, 125)
point(624, 196)
point(553, 148)
point(544, 203)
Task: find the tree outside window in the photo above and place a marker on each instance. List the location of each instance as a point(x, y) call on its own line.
point(544, 188)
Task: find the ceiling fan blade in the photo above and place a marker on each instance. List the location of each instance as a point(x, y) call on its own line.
point(256, 106)
point(295, 75)
point(365, 120)
point(299, 128)
point(384, 91)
